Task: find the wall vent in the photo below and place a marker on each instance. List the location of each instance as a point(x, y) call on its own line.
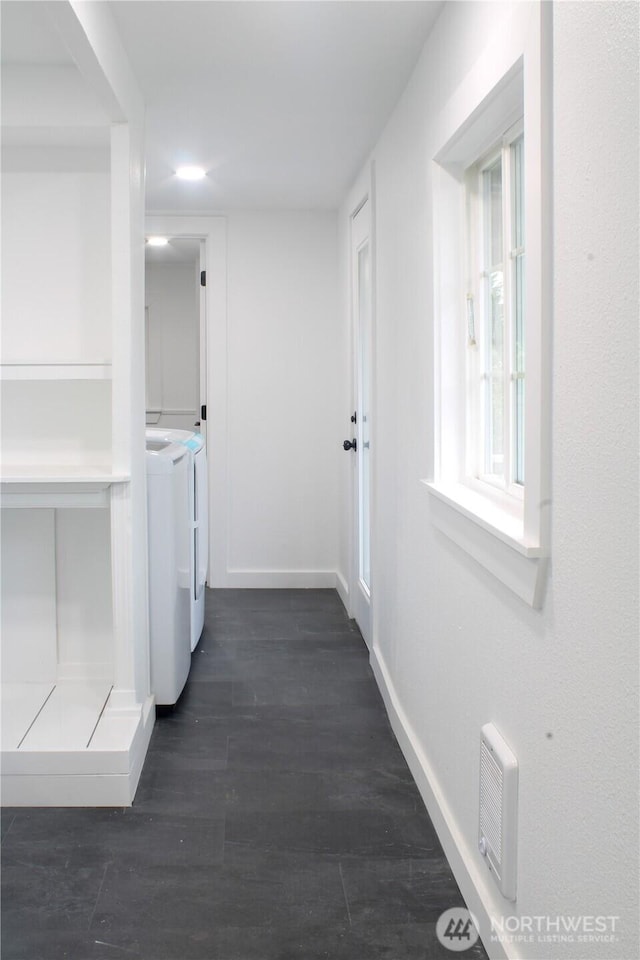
point(497, 837)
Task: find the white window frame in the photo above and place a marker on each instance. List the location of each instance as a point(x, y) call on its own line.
point(508, 534)
point(476, 243)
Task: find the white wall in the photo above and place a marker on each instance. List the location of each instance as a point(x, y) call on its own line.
point(285, 373)
point(56, 295)
point(458, 648)
point(172, 295)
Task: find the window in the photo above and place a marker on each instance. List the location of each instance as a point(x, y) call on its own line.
point(495, 316)
point(490, 488)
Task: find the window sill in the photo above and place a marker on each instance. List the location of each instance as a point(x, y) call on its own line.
point(492, 536)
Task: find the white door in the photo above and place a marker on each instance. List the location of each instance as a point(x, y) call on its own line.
point(361, 287)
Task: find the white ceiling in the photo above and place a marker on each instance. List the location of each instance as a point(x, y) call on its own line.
point(280, 100)
point(28, 36)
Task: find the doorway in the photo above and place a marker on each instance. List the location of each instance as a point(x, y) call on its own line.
point(210, 234)
point(175, 334)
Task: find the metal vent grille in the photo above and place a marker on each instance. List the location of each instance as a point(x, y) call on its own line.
point(497, 832)
point(491, 801)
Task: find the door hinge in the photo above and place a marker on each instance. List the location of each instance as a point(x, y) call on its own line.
point(203, 278)
point(203, 412)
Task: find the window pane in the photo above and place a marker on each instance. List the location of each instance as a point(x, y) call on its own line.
point(494, 325)
point(517, 166)
point(494, 353)
point(519, 432)
point(518, 336)
point(493, 179)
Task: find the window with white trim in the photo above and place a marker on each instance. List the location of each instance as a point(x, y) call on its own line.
point(495, 354)
point(490, 488)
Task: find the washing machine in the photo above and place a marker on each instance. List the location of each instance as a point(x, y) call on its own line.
point(198, 518)
point(168, 497)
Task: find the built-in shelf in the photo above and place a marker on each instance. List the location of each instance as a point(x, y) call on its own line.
point(71, 605)
point(55, 371)
point(59, 473)
point(21, 703)
point(44, 725)
point(56, 485)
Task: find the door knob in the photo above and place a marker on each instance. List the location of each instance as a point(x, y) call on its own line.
point(349, 444)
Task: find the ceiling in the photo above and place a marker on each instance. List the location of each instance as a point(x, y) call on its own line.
point(28, 36)
point(281, 101)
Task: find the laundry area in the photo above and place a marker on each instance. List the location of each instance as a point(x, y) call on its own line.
point(318, 479)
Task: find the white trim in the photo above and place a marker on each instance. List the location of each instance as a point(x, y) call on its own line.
point(473, 881)
point(123, 578)
point(343, 590)
point(89, 32)
point(522, 569)
point(100, 370)
point(25, 499)
point(504, 526)
point(50, 490)
point(74, 790)
point(281, 579)
point(507, 91)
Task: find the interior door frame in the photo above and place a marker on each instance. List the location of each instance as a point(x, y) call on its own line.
point(213, 230)
point(363, 192)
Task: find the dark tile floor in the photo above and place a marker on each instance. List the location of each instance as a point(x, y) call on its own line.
point(276, 818)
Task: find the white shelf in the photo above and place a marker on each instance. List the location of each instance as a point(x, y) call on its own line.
point(55, 371)
point(67, 473)
point(21, 704)
point(62, 745)
point(69, 717)
point(53, 485)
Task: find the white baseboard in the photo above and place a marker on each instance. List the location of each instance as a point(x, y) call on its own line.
point(62, 791)
point(468, 876)
point(343, 590)
point(280, 579)
point(141, 745)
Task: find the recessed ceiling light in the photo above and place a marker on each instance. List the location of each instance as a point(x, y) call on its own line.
point(157, 241)
point(191, 173)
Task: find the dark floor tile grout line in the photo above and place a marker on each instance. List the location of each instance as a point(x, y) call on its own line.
point(95, 906)
point(6, 833)
point(344, 892)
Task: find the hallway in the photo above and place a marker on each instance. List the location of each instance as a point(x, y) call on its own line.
point(276, 817)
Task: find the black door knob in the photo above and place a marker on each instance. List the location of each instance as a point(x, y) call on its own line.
point(349, 444)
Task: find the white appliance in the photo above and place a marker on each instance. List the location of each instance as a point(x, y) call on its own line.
point(168, 477)
point(198, 517)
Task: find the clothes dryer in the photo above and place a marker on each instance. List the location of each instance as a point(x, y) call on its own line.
point(198, 518)
point(169, 535)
